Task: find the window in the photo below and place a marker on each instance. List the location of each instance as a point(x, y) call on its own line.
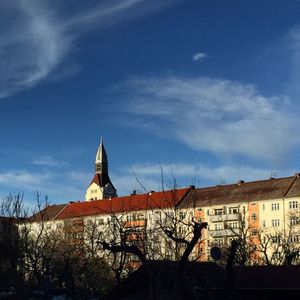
point(253, 217)
point(181, 215)
point(275, 206)
point(157, 214)
point(294, 239)
point(254, 231)
point(275, 223)
point(263, 207)
point(293, 204)
point(232, 225)
point(199, 209)
point(68, 223)
point(233, 210)
point(100, 221)
point(263, 223)
point(140, 217)
point(157, 217)
point(294, 221)
point(276, 239)
point(276, 255)
point(218, 226)
point(207, 212)
point(218, 211)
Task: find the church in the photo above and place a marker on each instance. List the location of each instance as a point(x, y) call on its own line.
point(101, 186)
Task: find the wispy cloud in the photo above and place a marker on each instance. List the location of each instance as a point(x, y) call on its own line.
point(24, 179)
point(229, 173)
point(155, 176)
point(35, 37)
point(47, 161)
point(221, 116)
point(60, 187)
point(125, 183)
point(31, 47)
point(199, 56)
point(291, 44)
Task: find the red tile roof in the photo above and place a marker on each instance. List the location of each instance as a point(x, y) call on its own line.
point(48, 213)
point(154, 200)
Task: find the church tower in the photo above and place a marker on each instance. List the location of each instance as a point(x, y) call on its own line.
point(101, 186)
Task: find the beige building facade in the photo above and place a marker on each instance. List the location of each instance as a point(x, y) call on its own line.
point(263, 216)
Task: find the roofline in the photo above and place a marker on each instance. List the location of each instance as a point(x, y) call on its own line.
point(191, 188)
point(107, 212)
point(54, 218)
point(250, 182)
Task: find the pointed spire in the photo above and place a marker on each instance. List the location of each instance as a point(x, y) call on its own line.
point(101, 186)
point(101, 153)
point(101, 159)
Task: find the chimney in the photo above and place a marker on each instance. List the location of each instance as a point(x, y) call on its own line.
point(240, 182)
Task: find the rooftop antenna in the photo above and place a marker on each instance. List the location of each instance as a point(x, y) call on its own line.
point(221, 182)
point(273, 174)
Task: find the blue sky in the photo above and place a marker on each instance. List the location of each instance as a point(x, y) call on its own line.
point(208, 91)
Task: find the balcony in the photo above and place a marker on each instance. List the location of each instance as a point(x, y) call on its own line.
point(136, 223)
point(225, 232)
point(224, 217)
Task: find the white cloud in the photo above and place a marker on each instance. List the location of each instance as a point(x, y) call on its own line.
point(229, 173)
point(221, 116)
point(199, 56)
point(291, 46)
point(35, 39)
point(24, 179)
point(126, 183)
point(31, 46)
point(59, 187)
point(152, 176)
point(48, 161)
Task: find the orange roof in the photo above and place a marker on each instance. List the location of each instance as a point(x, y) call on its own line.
point(49, 213)
point(154, 200)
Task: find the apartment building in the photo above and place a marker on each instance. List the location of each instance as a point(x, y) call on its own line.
point(263, 214)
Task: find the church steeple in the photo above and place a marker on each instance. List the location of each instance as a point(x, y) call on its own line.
point(101, 163)
point(101, 186)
